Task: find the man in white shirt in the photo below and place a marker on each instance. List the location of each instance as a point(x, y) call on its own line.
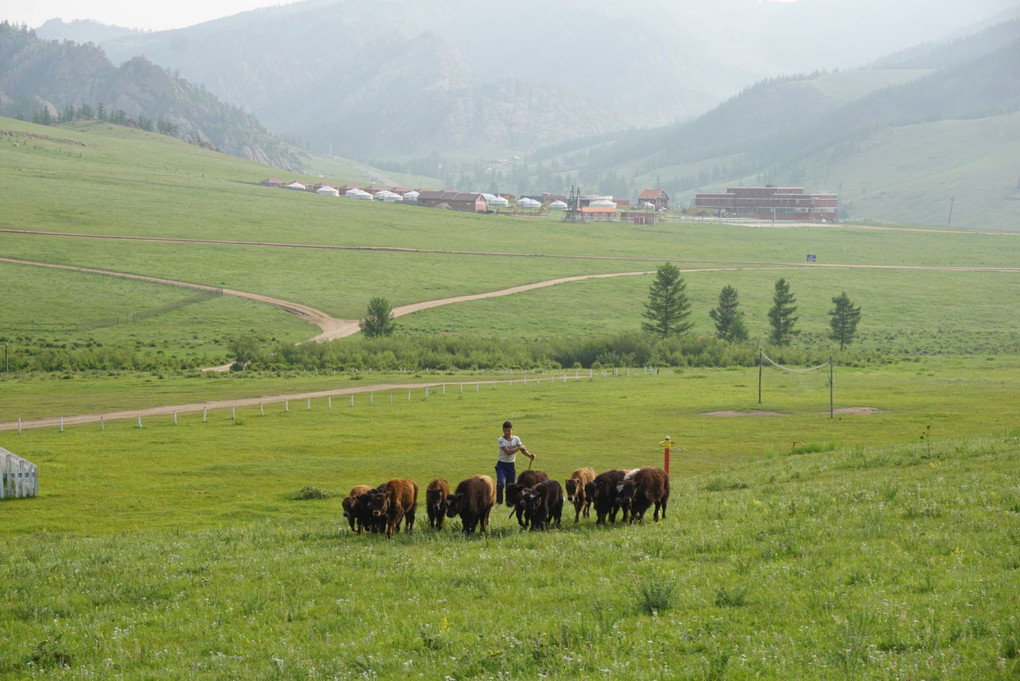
point(506, 469)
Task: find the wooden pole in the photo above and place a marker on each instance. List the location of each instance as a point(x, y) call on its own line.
point(759, 377)
point(832, 411)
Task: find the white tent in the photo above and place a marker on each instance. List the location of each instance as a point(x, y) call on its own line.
point(498, 202)
point(603, 203)
point(388, 196)
point(328, 191)
point(296, 185)
point(411, 196)
point(528, 203)
point(358, 194)
point(557, 205)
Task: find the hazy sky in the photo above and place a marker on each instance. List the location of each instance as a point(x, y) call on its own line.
point(129, 13)
point(145, 14)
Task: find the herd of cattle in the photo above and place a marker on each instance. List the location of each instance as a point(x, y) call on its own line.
point(537, 501)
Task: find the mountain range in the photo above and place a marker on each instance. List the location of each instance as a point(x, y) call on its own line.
point(537, 97)
point(400, 78)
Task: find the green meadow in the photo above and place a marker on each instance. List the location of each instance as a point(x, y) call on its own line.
point(877, 542)
point(795, 545)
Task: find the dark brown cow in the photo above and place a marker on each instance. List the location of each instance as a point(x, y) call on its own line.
point(397, 500)
point(473, 502)
point(575, 485)
point(353, 506)
point(435, 502)
point(642, 488)
point(602, 492)
point(528, 478)
point(543, 504)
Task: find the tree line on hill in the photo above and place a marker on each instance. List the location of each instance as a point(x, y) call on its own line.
point(85, 112)
point(664, 340)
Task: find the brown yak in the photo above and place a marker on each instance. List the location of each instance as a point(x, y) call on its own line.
point(435, 502)
point(353, 507)
point(528, 478)
point(602, 492)
point(397, 500)
point(473, 502)
point(575, 485)
point(642, 488)
point(543, 504)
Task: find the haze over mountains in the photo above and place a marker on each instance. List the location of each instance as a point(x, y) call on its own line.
point(615, 97)
point(397, 78)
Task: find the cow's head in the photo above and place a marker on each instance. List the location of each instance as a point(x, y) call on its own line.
point(513, 493)
point(625, 493)
point(378, 502)
point(530, 500)
point(574, 488)
point(591, 491)
point(453, 502)
point(434, 500)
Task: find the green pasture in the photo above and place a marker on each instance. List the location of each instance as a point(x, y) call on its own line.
point(613, 419)
point(796, 545)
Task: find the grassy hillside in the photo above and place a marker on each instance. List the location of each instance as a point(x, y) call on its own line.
point(795, 546)
point(222, 229)
point(877, 544)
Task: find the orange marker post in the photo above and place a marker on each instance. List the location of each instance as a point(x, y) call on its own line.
point(666, 444)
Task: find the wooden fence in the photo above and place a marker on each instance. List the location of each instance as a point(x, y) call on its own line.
point(18, 477)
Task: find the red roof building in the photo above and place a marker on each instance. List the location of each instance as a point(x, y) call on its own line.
point(656, 197)
point(770, 203)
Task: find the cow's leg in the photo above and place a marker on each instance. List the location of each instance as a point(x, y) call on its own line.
point(409, 518)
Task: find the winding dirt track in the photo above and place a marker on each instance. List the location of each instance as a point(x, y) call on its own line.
point(333, 328)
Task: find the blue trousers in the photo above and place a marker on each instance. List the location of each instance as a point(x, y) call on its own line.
point(506, 474)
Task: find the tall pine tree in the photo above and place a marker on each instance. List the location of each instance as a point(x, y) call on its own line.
point(843, 319)
point(781, 317)
point(729, 319)
point(668, 308)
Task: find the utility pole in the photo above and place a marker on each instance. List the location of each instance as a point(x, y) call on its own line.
point(950, 220)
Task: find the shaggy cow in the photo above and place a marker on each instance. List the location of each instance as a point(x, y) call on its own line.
point(513, 491)
point(354, 507)
point(543, 504)
point(396, 500)
point(642, 488)
point(473, 502)
point(575, 485)
point(602, 493)
point(435, 502)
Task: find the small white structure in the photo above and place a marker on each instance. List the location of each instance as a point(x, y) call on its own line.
point(411, 196)
point(18, 477)
point(603, 203)
point(296, 185)
point(358, 194)
point(498, 202)
point(328, 191)
point(557, 205)
point(387, 196)
point(530, 204)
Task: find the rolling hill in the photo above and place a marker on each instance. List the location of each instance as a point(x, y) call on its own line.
point(40, 78)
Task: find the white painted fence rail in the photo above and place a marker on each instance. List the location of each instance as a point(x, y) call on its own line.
point(18, 477)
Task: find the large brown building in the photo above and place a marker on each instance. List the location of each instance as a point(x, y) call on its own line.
point(770, 203)
point(474, 203)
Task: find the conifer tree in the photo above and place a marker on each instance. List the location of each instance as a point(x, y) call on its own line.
point(843, 319)
point(668, 308)
point(781, 316)
point(729, 319)
point(378, 320)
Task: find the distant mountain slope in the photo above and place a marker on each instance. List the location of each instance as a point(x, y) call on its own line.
point(37, 75)
point(812, 130)
point(392, 78)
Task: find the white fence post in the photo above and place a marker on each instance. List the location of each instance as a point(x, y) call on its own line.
point(18, 477)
